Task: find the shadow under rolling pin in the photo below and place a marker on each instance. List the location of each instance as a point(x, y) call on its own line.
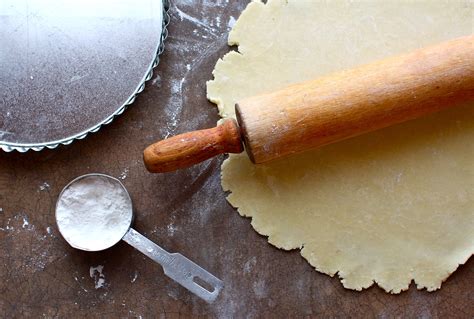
point(342, 105)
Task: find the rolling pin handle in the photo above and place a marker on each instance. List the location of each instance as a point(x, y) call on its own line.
point(187, 149)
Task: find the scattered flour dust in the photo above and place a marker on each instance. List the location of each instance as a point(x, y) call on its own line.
point(44, 186)
point(184, 16)
point(260, 289)
point(25, 222)
point(94, 212)
point(135, 276)
point(156, 81)
point(249, 264)
point(97, 274)
point(124, 173)
point(171, 229)
point(19, 221)
point(231, 22)
point(36, 244)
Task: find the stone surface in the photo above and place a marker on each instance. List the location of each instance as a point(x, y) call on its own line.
point(186, 211)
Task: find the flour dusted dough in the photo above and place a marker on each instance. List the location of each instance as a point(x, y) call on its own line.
point(388, 207)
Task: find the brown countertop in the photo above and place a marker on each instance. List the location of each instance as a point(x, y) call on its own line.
point(185, 211)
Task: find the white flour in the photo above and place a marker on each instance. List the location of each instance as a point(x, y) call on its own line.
point(94, 213)
point(98, 276)
point(45, 186)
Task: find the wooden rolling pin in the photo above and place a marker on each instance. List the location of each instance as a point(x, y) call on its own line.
point(335, 107)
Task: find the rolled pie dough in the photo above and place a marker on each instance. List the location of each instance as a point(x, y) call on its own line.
point(390, 207)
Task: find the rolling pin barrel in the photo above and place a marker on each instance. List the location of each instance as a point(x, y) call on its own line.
point(345, 104)
point(336, 107)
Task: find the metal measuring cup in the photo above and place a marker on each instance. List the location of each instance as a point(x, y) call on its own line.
point(176, 266)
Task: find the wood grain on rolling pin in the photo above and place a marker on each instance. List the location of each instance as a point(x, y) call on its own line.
point(194, 147)
point(356, 101)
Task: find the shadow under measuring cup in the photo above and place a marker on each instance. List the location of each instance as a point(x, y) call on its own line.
point(94, 212)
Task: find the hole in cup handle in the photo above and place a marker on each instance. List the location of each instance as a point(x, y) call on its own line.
point(204, 284)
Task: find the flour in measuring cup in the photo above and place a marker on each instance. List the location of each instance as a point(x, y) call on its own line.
point(94, 212)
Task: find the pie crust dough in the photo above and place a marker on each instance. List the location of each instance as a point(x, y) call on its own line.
point(389, 207)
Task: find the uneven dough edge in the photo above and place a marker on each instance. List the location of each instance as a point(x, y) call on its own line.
point(349, 280)
point(352, 281)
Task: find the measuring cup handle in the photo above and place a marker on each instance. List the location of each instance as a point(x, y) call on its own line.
point(179, 268)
